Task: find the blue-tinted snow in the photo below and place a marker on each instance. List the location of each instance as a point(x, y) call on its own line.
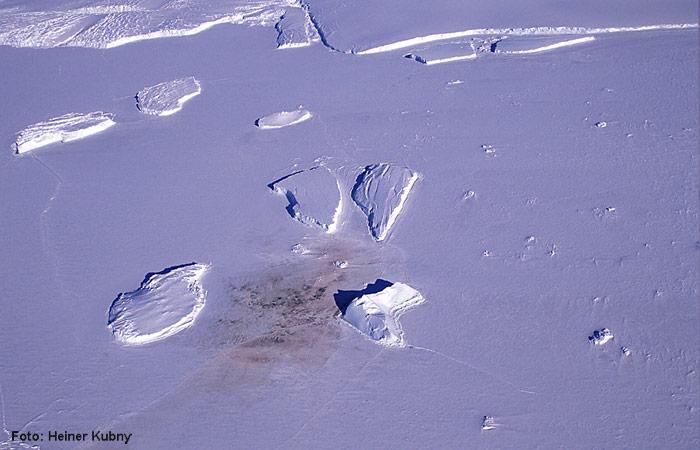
point(531, 229)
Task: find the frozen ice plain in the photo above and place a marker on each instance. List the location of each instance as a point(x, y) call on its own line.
point(533, 228)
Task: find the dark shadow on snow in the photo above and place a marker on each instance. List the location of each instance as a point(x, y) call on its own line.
point(344, 298)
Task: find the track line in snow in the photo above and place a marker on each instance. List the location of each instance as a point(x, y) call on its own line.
point(466, 364)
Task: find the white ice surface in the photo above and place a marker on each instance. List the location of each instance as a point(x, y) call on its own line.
point(377, 315)
point(512, 45)
point(447, 52)
point(524, 247)
point(66, 128)
point(109, 24)
point(167, 98)
point(313, 197)
point(165, 304)
point(283, 119)
point(381, 191)
point(441, 54)
point(367, 27)
point(295, 29)
point(533, 31)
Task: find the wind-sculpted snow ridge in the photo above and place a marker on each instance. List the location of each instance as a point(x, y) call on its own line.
point(295, 29)
point(367, 26)
point(165, 99)
point(313, 197)
point(531, 31)
point(528, 45)
point(381, 191)
point(376, 310)
point(66, 128)
point(165, 304)
point(441, 53)
point(283, 119)
point(104, 24)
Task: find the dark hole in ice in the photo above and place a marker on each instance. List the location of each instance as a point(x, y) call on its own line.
point(344, 298)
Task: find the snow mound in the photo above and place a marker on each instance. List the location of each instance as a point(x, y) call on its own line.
point(103, 24)
point(381, 191)
point(283, 119)
point(488, 423)
point(66, 128)
point(376, 314)
point(601, 337)
point(313, 197)
point(165, 99)
point(518, 45)
point(295, 29)
point(166, 303)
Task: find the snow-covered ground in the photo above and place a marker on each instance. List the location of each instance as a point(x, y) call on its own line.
point(166, 303)
point(283, 119)
point(529, 191)
point(66, 128)
point(168, 97)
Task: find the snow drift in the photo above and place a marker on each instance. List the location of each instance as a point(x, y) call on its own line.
point(167, 98)
point(313, 197)
point(381, 191)
point(109, 25)
point(166, 303)
point(518, 45)
point(376, 315)
point(295, 29)
point(365, 27)
point(283, 119)
point(462, 50)
point(66, 128)
point(601, 337)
